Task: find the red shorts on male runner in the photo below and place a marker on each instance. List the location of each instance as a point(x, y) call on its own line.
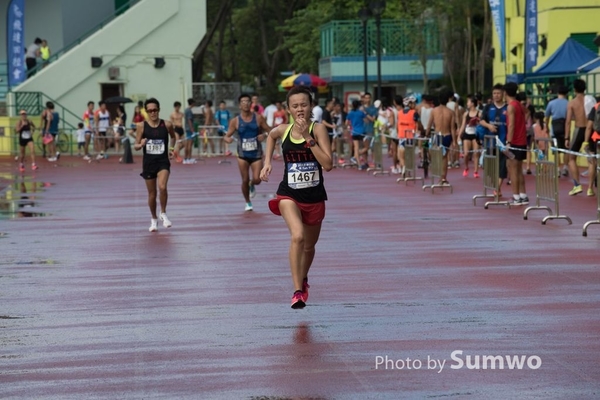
point(312, 213)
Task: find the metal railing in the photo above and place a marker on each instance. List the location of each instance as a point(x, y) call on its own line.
point(597, 220)
point(377, 149)
point(55, 56)
point(436, 167)
point(410, 162)
point(398, 37)
point(34, 103)
point(491, 174)
point(546, 182)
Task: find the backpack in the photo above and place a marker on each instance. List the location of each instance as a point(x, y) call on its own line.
point(596, 125)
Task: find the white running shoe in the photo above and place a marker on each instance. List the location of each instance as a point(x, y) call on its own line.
point(99, 156)
point(52, 159)
point(86, 158)
point(153, 225)
point(248, 207)
point(165, 220)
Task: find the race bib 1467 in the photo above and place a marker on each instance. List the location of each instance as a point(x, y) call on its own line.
point(303, 175)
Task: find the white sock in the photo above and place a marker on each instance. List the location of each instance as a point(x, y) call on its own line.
point(523, 195)
point(516, 197)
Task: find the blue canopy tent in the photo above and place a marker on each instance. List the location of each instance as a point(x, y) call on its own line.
point(567, 60)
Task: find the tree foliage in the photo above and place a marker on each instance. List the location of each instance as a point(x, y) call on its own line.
point(253, 41)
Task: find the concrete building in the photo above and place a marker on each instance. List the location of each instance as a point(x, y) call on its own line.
point(557, 21)
point(145, 51)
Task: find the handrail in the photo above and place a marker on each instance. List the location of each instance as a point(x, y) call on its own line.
point(34, 103)
point(118, 12)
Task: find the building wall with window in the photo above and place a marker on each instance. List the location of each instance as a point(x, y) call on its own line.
point(557, 21)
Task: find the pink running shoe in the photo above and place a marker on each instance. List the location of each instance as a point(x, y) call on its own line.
point(466, 172)
point(34, 167)
point(475, 174)
point(305, 287)
point(21, 167)
point(297, 300)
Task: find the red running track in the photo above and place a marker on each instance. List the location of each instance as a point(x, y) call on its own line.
point(94, 306)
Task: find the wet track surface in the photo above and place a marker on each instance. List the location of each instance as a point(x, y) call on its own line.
point(92, 305)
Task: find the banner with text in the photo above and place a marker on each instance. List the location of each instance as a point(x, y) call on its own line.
point(498, 16)
point(531, 35)
point(15, 42)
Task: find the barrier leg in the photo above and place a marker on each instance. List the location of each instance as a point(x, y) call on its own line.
point(597, 221)
point(410, 168)
point(437, 159)
point(491, 174)
point(546, 186)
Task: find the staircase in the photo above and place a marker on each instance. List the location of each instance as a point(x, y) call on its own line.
point(143, 51)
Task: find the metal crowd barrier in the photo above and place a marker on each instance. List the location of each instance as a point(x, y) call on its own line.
point(546, 183)
point(377, 168)
point(491, 174)
point(597, 220)
point(410, 163)
point(436, 155)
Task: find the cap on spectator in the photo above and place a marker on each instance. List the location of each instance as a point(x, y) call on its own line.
point(377, 103)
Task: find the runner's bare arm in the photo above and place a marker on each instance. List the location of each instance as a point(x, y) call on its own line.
point(568, 124)
point(171, 131)
point(262, 123)
point(322, 150)
point(271, 141)
point(510, 123)
point(231, 130)
point(139, 142)
point(464, 123)
point(453, 127)
point(588, 131)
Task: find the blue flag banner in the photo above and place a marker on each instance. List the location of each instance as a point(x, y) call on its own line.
point(15, 43)
point(531, 35)
point(498, 16)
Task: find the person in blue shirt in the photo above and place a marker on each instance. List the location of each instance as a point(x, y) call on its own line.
point(372, 114)
point(355, 121)
point(222, 118)
point(557, 110)
point(494, 119)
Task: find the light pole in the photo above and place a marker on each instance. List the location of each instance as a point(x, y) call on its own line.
point(377, 8)
point(364, 14)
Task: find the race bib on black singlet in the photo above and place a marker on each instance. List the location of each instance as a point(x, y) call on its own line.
point(26, 135)
point(155, 146)
point(249, 144)
point(303, 175)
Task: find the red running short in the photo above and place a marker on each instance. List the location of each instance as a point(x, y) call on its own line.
point(312, 213)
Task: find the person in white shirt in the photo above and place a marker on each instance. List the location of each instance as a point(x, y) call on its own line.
point(270, 114)
point(317, 112)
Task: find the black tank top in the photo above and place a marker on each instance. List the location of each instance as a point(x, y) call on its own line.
point(303, 175)
point(25, 130)
point(156, 148)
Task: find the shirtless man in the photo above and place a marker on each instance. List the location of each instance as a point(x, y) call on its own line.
point(176, 118)
point(576, 112)
point(444, 121)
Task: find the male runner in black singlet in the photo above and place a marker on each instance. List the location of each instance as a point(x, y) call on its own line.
point(152, 136)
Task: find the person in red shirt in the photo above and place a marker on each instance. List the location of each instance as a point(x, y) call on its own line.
point(516, 138)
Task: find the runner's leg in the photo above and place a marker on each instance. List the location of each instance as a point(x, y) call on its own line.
point(151, 186)
point(293, 219)
point(162, 180)
point(244, 167)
